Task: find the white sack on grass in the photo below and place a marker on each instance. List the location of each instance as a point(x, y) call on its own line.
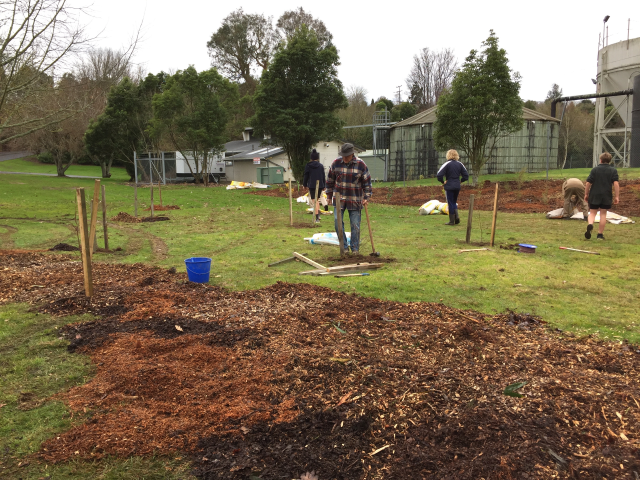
point(327, 239)
point(239, 185)
point(434, 207)
point(611, 217)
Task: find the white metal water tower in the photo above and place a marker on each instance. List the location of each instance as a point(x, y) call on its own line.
point(618, 63)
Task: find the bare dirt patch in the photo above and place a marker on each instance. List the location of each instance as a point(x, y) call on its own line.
point(295, 377)
point(159, 208)
point(537, 196)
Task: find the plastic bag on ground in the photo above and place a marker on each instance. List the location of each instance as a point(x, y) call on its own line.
point(330, 238)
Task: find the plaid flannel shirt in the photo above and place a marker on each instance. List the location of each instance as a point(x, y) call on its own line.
point(352, 180)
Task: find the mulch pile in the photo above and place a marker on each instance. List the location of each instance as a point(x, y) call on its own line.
point(294, 378)
point(127, 218)
point(537, 196)
point(64, 247)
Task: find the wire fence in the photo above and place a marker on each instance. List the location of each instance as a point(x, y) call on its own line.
point(154, 167)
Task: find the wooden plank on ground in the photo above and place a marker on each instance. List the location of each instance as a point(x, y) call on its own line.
point(472, 250)
point(309, 261)
point(345, 269)
point(284, 260)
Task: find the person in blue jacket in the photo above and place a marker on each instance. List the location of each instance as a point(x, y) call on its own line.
point(455, 173)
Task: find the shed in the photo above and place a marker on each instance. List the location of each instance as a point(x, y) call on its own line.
point(412, 153)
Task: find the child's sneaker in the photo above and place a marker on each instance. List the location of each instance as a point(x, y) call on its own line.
point(600, 236)
point(587, 234)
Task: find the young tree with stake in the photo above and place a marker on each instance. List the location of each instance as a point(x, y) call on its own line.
point(298, 96)
point(482, 106)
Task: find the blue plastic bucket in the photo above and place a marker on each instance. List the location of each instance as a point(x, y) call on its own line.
point(198, 269)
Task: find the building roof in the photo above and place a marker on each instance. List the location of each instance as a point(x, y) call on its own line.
point(241, 146)
point(261, 152)
point(429, 116)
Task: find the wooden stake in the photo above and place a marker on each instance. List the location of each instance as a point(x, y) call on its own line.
point(309, 261)
point(135, 200)
point(495, 215)
point(290, 204)
point(339, 214)
point(581, 251)
point(285, 260)
point(151, 199)
point(84, 242)
point(104, 219)
point(352, 275)
point(315, 207)
point(471, 199)
point(94, 217)
point(160, 192)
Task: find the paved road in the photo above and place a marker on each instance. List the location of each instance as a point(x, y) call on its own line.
point(44, 174)
point(13, 155)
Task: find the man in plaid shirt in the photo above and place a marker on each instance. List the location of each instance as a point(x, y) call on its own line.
point(350, 177)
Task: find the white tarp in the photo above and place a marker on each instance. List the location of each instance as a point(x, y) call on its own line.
point(611, 217)
point(238, 185)
point(327, 239)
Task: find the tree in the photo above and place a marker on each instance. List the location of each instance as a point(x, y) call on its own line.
point(387, 103)
point(298, 96)
point(62, 137)
point(482, 106)
point(431, 74)
point(291, 21)
point(554, 93)
point(402, 111)
point(243, 44)
point(122, 128)
point(358, 112)
point(531, 104)
point(192, 113)
point(35, 37)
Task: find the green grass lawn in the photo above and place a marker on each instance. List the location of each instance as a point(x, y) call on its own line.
point(242, 233)
point(31, 165)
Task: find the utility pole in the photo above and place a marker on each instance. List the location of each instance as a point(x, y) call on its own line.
point(399, 98)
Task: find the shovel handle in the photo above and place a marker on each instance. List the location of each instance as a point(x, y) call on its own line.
point(366, 211)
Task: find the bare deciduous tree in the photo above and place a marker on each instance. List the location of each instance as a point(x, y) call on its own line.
point(35, 37)
point(431, 74)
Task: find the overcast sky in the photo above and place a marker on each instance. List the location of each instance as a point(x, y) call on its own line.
point(546, 41)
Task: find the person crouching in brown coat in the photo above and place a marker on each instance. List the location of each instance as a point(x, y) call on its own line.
point(573, 192)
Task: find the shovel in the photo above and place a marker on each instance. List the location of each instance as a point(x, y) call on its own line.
point(373, 252)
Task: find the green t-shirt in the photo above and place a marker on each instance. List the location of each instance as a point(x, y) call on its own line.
point(601, 179)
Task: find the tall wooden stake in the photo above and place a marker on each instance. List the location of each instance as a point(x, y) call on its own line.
point(84, 242)
point(104, 220)
point(315, 206)
point(495, 215)
point(135, 200)
point(160, 192)
point(338, 208)
point(471, 198)
point(290, 204)
point(94, 217)
point(151, 199)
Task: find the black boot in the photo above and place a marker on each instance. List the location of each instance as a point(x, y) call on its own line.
point(452, 219)
point(457, 218)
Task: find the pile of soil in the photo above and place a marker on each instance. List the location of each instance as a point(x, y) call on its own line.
point(537, 196)
point(125, 217)
point(158, 208)
point(294, 378)
point(64, 247)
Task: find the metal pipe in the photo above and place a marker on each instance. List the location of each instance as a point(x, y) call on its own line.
point(587, 96)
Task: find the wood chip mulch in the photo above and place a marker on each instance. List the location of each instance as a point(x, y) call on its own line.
point(295, 378)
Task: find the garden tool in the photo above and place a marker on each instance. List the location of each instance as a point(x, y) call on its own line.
point(373, 249)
